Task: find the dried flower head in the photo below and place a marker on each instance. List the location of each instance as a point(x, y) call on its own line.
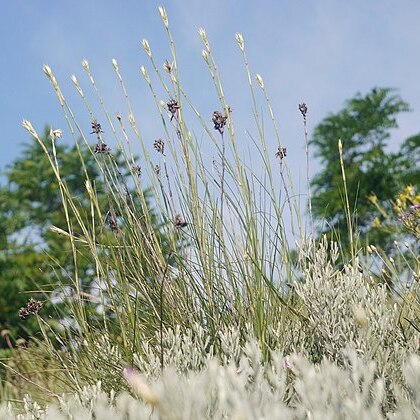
point(173, 107)
point(113, 225)
point(5, 333)
point(21, 342)
point(303, 109)
point(96, 128)
point(159, 146)
point(281, 153)
point(56, 134)
point(136, 170)
point(32, 308)
point(411, 219)
point(157, 170)
point(168, 66)
point(179, 222)
point(219, 121)
point(102, 148)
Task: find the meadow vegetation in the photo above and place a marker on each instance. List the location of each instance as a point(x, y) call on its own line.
point(207, 294)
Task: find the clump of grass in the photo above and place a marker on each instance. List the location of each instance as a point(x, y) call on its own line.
point(227, 258)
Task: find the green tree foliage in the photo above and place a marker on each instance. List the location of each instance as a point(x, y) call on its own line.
point(32, 257)
point(364, 126)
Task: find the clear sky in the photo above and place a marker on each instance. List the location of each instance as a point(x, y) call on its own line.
point(317, 51)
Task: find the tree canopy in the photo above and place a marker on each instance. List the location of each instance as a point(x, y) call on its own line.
point(32, 257)
point(364, 126)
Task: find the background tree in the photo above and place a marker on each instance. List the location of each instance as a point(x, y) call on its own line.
point(372, 172)
point(32, 257)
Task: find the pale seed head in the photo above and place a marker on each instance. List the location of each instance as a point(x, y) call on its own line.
point(240, 41)
point(205, 55)
point(85, 65)
point(27, 125)
point(260, 80)
point(56, 134)
point(131, 119)
point(145, 74)
point(77, 84)
point(47, 70)
point(146, 47)
point(203, 36)
point(164, 16)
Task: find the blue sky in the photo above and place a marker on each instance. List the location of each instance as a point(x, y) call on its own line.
point(320, 52)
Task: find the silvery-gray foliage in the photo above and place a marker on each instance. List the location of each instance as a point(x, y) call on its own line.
point(348, 359)
point(346, 309)
point(249, 390)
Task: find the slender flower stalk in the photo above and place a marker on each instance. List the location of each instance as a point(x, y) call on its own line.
point(304, 111)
